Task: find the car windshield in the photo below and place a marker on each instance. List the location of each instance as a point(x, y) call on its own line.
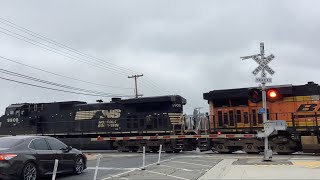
point(9, 142)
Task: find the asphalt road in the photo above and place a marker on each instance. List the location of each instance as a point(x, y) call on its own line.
point(193, 165)
point(128, 165)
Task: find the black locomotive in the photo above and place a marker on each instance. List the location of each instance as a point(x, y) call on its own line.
point(76, 122)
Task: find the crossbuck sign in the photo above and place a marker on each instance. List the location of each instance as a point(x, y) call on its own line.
point(263, 65)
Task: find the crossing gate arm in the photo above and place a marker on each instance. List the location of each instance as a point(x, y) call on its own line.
point(211, 136)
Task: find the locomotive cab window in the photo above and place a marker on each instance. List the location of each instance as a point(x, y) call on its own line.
point(9, 111)
point(17, 113)
point(23, 112)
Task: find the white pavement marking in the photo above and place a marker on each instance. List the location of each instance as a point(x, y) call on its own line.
point(117, 175)
point(167, 175)
point(219, 170)
point(207, 160)
point(192, 163)
point(305, 158)
point(160, 162)
point(176, 167)
point(111, 168)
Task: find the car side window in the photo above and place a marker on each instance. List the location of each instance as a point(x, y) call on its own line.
point(31, 145)
point(40, 144)
point(55, 144)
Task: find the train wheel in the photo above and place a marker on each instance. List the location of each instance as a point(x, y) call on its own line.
point(283, 149)
point(251, 149)
point(221, 148)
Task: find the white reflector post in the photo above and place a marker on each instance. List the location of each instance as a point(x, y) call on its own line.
point(143, 158)
point(97, 166)
point(160, 149)
point(54, 173)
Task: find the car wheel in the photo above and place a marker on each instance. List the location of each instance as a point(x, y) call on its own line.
point(79, 165)
point(29, 172)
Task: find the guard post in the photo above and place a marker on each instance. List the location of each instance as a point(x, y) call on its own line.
point(55, 168)
point(160, 149)
point(143, 158)
point(97, 166)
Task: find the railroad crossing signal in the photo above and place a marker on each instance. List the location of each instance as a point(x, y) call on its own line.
point(263, 67)
point(263, 64)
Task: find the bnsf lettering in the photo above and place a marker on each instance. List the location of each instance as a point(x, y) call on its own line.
point(113, 113)
point(307, 107)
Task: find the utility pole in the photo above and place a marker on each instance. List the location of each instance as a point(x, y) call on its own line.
point(135, 82)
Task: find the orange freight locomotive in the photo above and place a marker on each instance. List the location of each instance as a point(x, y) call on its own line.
point(238, 111)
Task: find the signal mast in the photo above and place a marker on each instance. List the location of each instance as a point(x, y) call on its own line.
point(263, 67)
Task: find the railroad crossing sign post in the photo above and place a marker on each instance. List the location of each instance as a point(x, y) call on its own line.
point(263, 67)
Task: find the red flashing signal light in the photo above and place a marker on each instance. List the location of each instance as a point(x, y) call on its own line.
point(273, 95)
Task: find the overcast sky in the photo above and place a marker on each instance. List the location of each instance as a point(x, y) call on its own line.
point(182, 47)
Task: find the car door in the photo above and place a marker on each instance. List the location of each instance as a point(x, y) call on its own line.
point(44, 155)
point(66, 158)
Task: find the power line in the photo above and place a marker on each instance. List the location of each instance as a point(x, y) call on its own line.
point(154, 83)
point(39, 69)
point(57, 51)
point(39, 36)
point(55, 89)
point(151, 88)
point(54, 84)
point(65, 47)
point(28, 41)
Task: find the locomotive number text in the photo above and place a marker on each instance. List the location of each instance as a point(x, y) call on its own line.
point(12, 120)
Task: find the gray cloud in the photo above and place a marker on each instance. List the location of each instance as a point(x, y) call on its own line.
point(186, 47)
